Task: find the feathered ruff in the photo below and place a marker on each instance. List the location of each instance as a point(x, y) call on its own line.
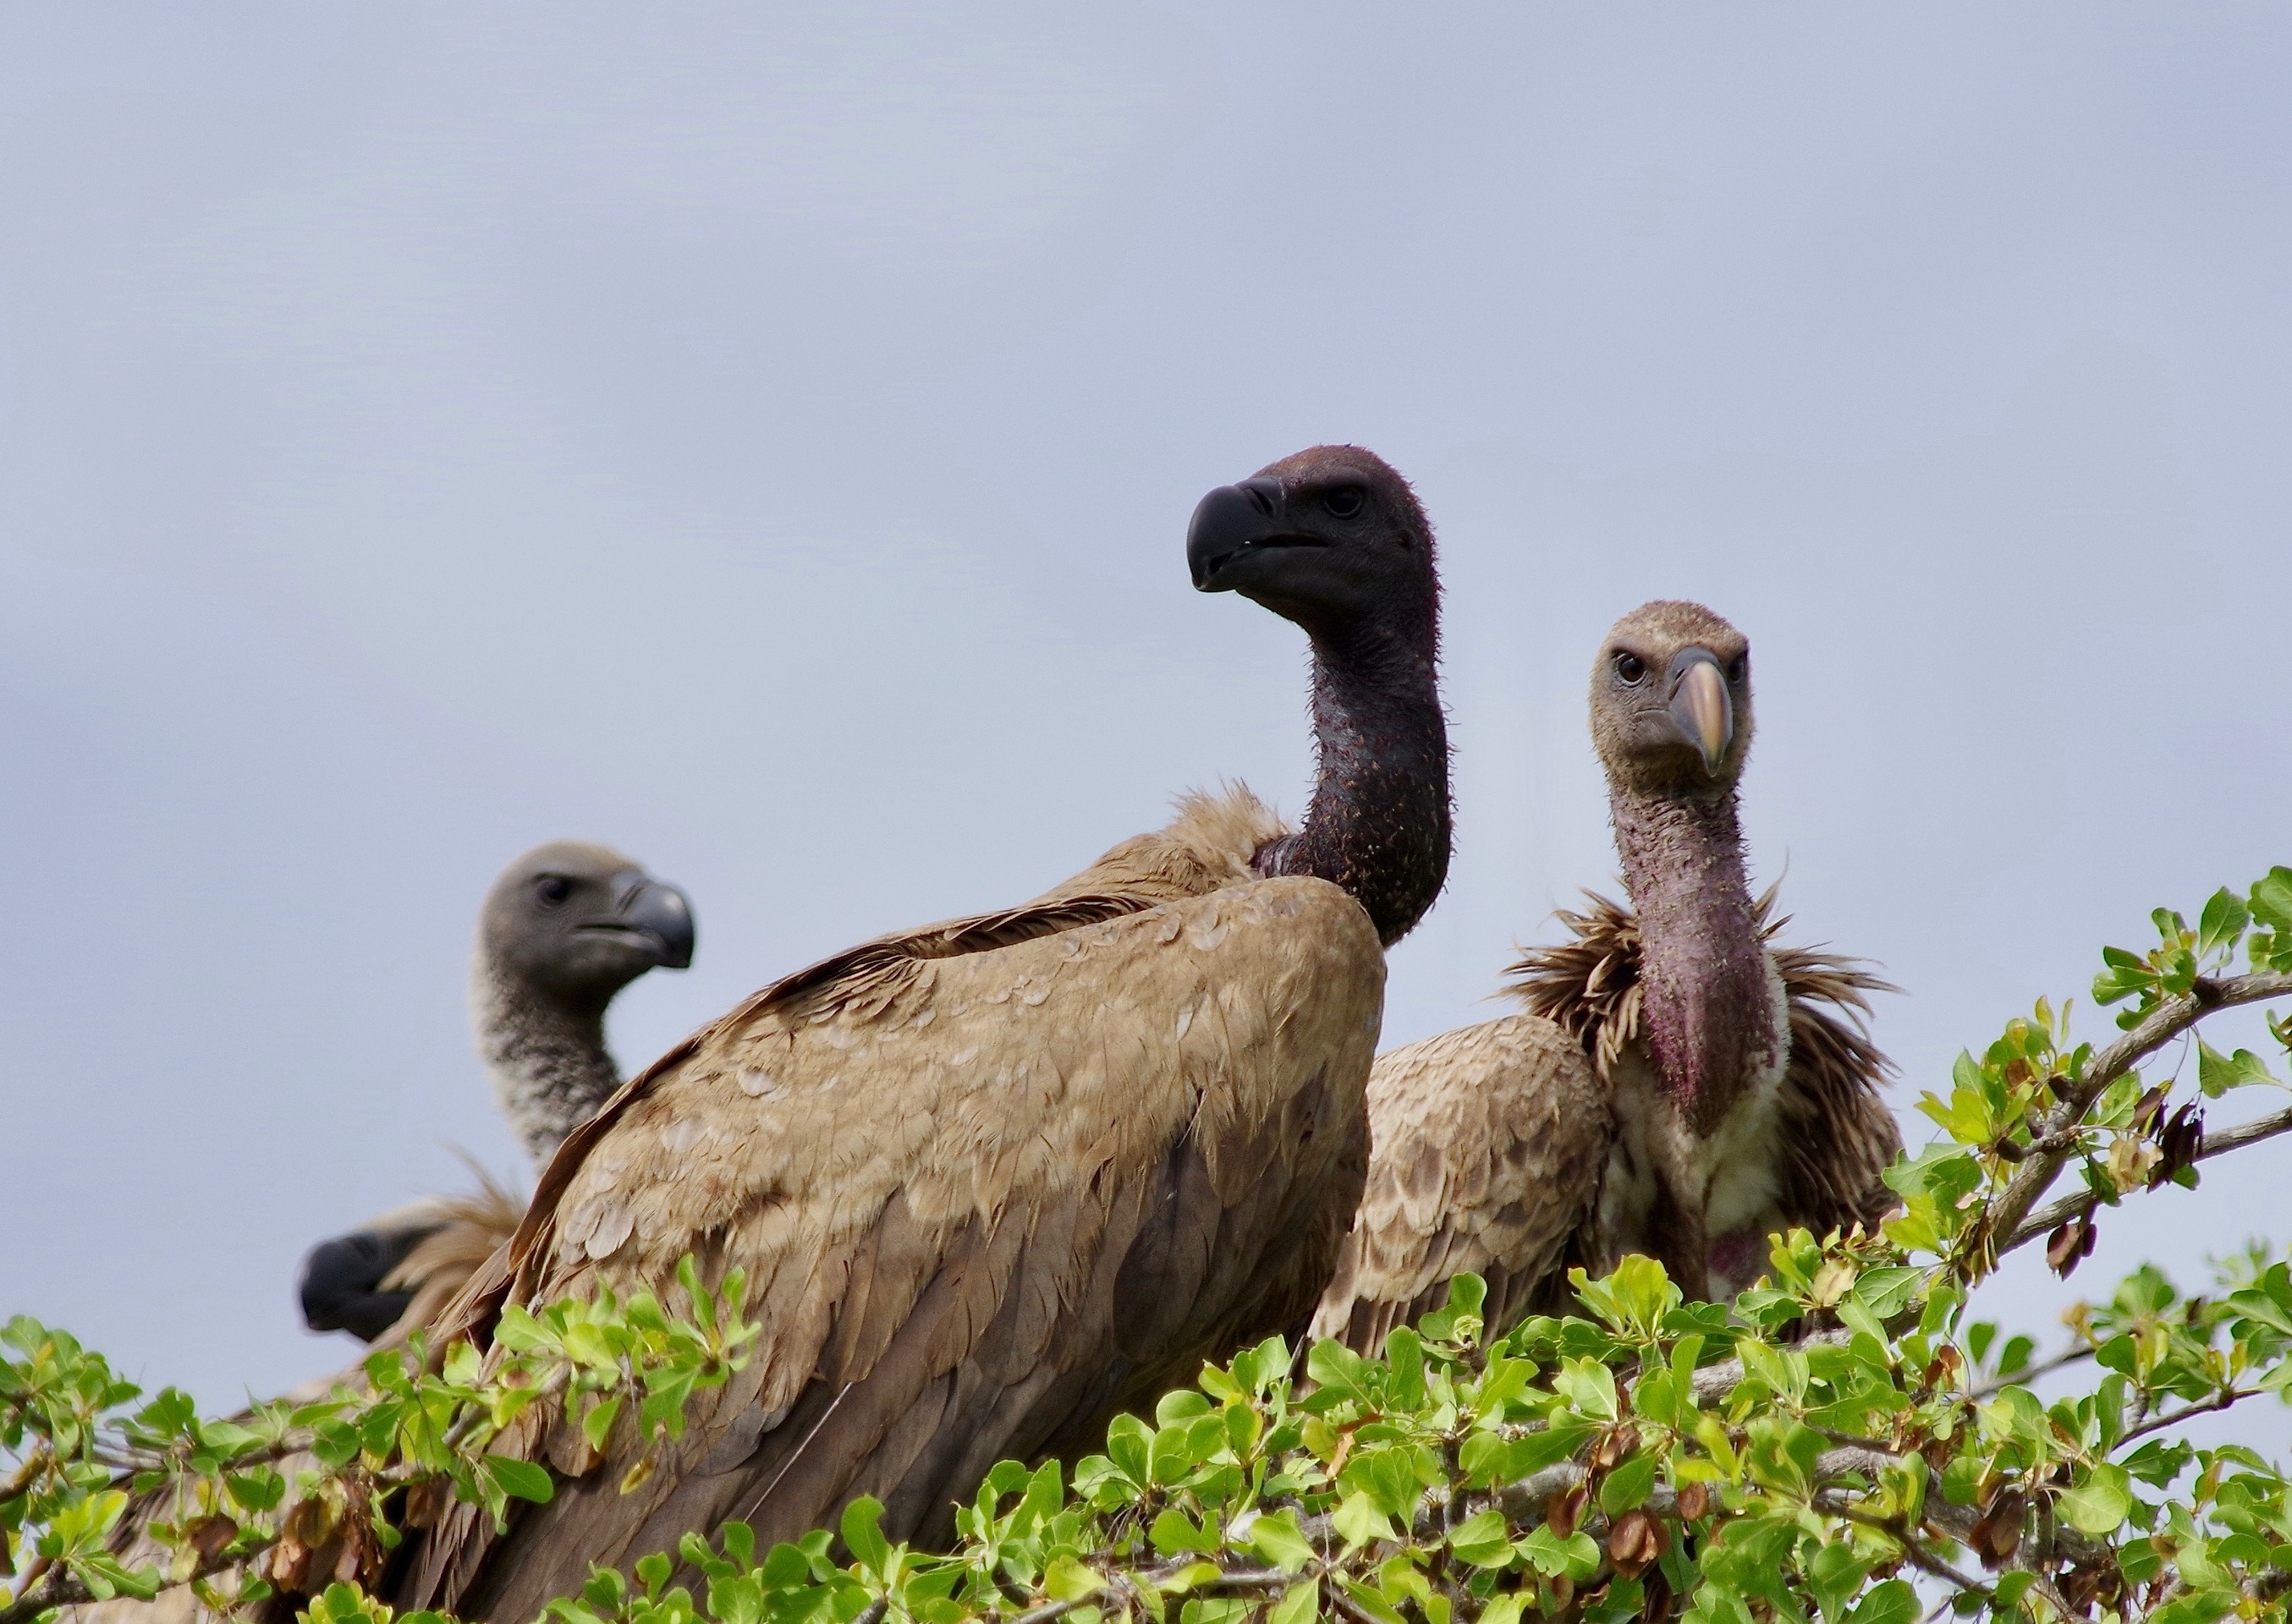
point(1839, 1134)
point(470, 1229)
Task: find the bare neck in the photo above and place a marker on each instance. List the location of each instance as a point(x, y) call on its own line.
point(1709, 1010)
point(550, 1066)
point(1378, 824)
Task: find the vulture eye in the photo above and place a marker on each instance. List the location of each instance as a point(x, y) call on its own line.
point(1345, 501)
point(1629, 667)
point(551, 890)
point(1736, 667)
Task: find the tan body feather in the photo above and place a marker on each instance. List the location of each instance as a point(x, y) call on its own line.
point(991, 1182)
point(1499, 1149)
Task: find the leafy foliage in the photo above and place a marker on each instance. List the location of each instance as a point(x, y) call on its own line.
point(1844, 1443)
point(289, 1491)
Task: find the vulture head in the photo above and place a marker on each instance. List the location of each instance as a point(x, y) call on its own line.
point(1333, 540)
point(564, 928)
point(1329, 538)
point(1671, 702)
point(574, 923)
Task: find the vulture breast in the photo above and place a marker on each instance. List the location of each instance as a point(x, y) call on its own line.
point(991, 1182)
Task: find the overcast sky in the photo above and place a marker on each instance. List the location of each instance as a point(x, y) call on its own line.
point(761, 437)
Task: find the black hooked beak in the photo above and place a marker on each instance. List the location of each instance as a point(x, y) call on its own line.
point(1702, 707)
point(656, 913)
point(1234, 519)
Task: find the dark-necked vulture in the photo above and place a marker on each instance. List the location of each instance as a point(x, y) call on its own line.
point(1679, 1087)
point(564, 928)
point(997, 1179)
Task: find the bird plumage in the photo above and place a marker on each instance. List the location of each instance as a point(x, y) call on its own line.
point(1578, 1131)
point(992, 1181)
point(995, 1179)
point(1836, 1135)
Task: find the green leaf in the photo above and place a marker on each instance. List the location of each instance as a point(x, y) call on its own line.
point(597, 1426)
point(2217, 1073)
point(2101, 1504)
point(1483, 1540)
point(1300, 1604)
point(2272, 900)
point(520, 1479)
point(1173, 1532)
point(1627, 1486)
point(864, 1535)
point(1358, 1521)
point(1130, 1446)
point(1576, 1556)
point(1892, 1602)
point(1886, 1292)
point(1275, 1537)
point(2222, 922)
point(1589, 1386)
point(1069, 1580)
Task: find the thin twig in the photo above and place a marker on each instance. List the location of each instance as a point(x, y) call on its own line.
point(2023, 1379)
point(2168, 1020)
point(2219, 1400)
point(1354, 1613)
point(1918, 1554)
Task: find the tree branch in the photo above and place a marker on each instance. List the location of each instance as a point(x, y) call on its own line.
point(2219, 1400)
point(2054, 1214)
point(2044, 1367)
point(2168, 1020)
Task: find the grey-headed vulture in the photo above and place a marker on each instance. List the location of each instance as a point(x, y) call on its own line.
point(564, 928)
point(1679, 1086)
point(995, 1179)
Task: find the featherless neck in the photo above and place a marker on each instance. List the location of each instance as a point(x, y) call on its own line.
point(550, 1066)
point(1708, 1006)
point(1378, 824)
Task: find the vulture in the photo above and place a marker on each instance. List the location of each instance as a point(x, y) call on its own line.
point(564, 928)
point(1680, 1085)
point(995, 1179)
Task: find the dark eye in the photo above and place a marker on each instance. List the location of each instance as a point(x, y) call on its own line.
point(551, 890)
point(1629, 667)
point(1345, 501)
point(1737, 666)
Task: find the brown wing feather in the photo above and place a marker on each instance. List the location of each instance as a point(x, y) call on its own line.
point(1488, 1145)
point(985, 1196)
point(1840, 1135)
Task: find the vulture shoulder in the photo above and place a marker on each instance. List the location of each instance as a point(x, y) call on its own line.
point(992, 1181)
point(1489, 1142)
point(1838, 1136)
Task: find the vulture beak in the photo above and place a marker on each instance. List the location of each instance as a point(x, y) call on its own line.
point(1234, 519)
point(656, 913)
point(1701, 708)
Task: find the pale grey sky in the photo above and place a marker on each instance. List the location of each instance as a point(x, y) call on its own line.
point(761, 437)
